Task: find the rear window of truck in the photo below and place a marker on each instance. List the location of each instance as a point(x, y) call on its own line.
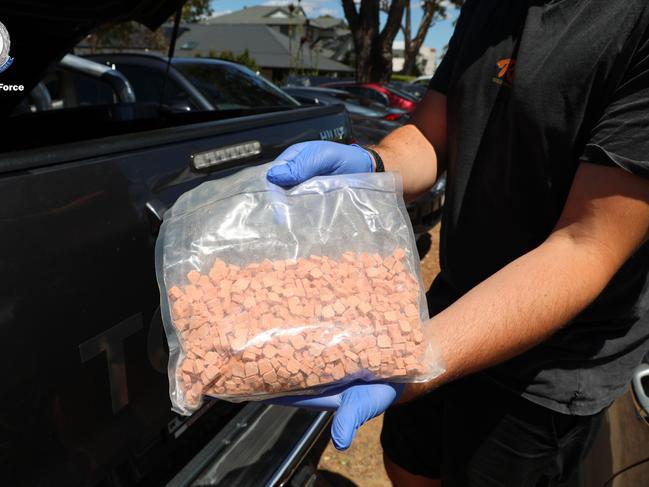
point(230, 87)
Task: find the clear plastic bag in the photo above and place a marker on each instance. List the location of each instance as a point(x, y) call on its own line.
point(267, 291)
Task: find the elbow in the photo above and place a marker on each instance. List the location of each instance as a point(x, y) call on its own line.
point(596, 256)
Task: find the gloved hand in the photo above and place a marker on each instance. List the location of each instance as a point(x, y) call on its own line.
point(353, 405)
point(318, 158)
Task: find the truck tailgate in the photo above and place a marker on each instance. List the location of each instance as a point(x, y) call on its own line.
point(87, 402)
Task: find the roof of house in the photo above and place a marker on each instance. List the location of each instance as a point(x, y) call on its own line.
point(269, 48)
point(273, 15)
point(327, 22)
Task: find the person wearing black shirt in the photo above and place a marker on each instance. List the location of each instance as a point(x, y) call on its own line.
point(539, 114)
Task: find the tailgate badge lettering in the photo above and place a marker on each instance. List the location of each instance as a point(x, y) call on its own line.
point(334, 134)
point(111, 342)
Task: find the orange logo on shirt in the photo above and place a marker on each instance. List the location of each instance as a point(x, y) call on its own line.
point(506, 72)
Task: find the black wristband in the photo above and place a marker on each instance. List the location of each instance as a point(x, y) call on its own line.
point(377, 159)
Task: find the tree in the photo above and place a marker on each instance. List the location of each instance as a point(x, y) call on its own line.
point(195, 10)
point(131, 35)
point(373, 45)
point(125, 36)
point(433, 10)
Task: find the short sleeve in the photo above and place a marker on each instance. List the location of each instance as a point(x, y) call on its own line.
point(621, 135)
point(442, 77)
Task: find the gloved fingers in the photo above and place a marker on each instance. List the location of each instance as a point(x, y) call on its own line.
point(290, 153)
point(348, 418)
point(317, 158)
point(284, 174)
point(289, 168)
point(306, 160)
point(359, 161)
point(359, 404)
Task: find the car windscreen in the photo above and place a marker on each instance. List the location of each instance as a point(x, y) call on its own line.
point(228, 86)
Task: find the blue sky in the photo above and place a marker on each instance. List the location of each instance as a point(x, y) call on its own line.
point(438, 35)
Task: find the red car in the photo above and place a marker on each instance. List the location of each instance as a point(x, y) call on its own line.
point(385, 94)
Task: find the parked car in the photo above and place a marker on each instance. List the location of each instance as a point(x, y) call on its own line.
point(415, 90)
point(353, 103)
point(311, 81)
point(389, 96)
point(201, 84)
point(369, 128)
point(92, 156)
point(195, 84)
point(87, 171)
point(369, 124)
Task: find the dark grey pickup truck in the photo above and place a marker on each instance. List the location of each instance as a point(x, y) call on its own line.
point(87, 171)
point(83, 189)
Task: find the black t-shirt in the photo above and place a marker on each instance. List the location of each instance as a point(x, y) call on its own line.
point(534, 87)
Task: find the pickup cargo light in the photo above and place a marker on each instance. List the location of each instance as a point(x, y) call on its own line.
point(210, 158)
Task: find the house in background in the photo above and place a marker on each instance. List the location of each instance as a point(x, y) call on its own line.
point(333, 37)
point(281, 39)
point(323, 37)
point(276, 54)
point(288, 20)
point(426, 59)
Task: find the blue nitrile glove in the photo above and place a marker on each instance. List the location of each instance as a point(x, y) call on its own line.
point(318, 158)
point(354, 406)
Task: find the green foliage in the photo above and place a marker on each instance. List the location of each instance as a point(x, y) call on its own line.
point(194, 10)
point(432, 11)
point(441, 7)
point(403, 77)
point(244, 58)
point(132, 35)
point(125, 36)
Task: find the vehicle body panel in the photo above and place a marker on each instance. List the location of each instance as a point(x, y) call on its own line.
point(369, 125)
point(87, 400)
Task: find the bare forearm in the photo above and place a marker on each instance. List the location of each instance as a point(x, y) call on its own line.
point(407, 151)
point(604, 221)
point(418, 149)
point(515, 309)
